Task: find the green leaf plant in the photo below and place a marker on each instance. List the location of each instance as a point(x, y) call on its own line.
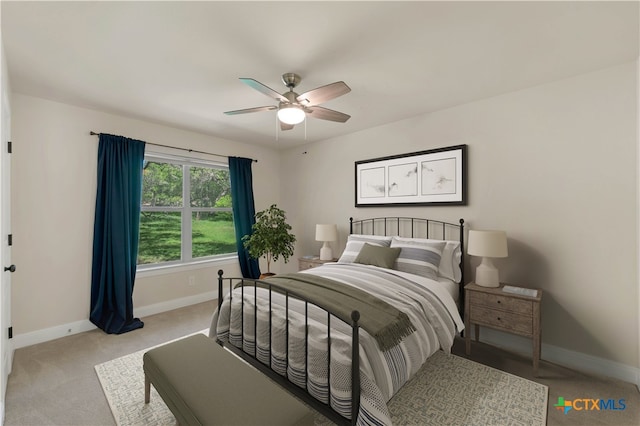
point(270, 237)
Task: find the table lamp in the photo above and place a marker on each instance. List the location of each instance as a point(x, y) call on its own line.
point(326, 233)
point(487, 244)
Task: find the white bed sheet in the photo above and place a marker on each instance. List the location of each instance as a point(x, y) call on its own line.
point(452, 288)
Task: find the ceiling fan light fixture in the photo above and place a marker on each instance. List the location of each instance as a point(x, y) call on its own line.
point(291, 114)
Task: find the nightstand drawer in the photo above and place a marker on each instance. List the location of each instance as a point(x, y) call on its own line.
point(501, 319)
point(506, 303)
point(304, 264)
point(311, 262)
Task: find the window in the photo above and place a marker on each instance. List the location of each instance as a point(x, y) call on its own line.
point(186, 211)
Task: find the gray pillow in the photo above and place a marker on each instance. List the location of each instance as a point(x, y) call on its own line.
point(384, 257)
point(418, 257)
point(355, 243)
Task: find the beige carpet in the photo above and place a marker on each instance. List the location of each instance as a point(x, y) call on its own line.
point(448, 390)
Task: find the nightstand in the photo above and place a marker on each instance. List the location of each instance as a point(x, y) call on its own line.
point(513, 313)
point(311, 262)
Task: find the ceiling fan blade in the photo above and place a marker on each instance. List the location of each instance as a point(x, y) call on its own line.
point(324, 93)
point(285, 126)
point(264, 89)
point(256, 109)
point(327, 114)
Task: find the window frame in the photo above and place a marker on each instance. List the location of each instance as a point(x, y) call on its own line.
point(186, 261)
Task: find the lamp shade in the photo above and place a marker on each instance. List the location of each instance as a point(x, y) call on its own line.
point(487, 243)
point(291, 114)
point(326, 232)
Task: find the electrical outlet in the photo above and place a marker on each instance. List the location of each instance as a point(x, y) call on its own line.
point(192, 280)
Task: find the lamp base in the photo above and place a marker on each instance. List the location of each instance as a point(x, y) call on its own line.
point(325, 252)
point(487, 274)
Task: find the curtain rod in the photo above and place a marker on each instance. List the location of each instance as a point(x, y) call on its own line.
point(92, 133)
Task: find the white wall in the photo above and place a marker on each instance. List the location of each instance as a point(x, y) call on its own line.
point(554, 166)
point(54, 185)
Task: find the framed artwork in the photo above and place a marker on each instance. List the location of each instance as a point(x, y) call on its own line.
point(433, 177)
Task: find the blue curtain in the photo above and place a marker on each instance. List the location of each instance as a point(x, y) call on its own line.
point(115, 233)
point(244, 211)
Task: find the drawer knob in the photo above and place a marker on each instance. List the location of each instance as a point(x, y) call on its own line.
point(499, 301)
point(498, 318)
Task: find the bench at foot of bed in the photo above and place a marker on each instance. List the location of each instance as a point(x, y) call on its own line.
point(204, 384)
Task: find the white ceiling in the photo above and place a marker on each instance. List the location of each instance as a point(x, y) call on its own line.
point(178, 63)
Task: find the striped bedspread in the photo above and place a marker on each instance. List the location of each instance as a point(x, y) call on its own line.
point(430, 308)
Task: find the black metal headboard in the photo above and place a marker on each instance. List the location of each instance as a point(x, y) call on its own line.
point(412, 227)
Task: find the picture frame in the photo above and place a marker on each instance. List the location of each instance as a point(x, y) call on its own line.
point(432, 177)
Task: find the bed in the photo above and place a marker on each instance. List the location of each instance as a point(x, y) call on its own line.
point(346, 336)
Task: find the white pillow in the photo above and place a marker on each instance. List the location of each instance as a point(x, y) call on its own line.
point(355, 243)
point(419, 257)
point(449, 261)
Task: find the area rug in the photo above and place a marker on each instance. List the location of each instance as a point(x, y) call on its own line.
point(448, 390)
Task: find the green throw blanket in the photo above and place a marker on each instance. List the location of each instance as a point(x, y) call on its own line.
point(381, 320)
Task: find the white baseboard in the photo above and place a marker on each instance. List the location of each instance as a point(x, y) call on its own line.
point(51, 333)
point(44, 335)
point(169, 305)
point(565, 357)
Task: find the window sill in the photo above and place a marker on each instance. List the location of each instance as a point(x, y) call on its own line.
point(150, 271)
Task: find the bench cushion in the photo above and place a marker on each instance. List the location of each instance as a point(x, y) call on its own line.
point(204, 384)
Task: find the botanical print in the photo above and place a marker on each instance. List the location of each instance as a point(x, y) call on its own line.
point(439, 176)
point(372, 183)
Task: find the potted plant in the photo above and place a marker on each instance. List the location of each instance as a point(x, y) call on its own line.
point(270, 237)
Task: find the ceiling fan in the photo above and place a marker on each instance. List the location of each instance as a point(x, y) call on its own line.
point(293, 108)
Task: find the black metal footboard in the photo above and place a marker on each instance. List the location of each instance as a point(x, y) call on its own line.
point(252, 358)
